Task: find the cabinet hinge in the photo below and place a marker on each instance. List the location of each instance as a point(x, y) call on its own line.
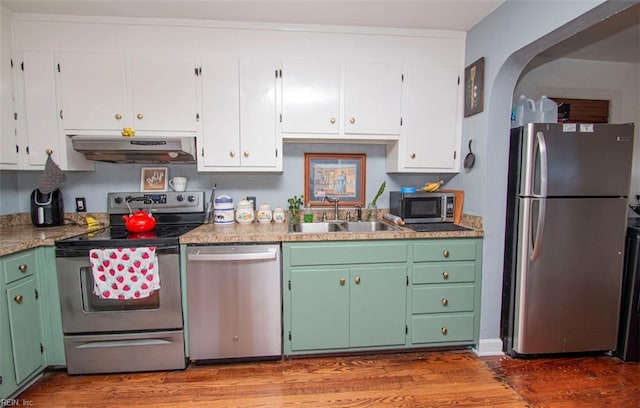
point(276, 73)
point(17, 149)
point(289, 284)
point(198, 71)
point(41, 348)
point(61, 117)
point(15, 115)
point(202, 151)
point(402, 78)
point(407, 281)
point(59, 68)
point(11, 62)
point(27, 149)
point(197, 117)
point(22, 66)
point(406, 329)
point(37, 294)
point(281, 118)
point(276, 152)
point(289, 335)
point(0, 380)
point(454, 154)
point(458, 79)
point(400, 120)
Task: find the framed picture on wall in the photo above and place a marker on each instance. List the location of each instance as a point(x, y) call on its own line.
point(474, 88)
point(154, 179)
point(339, 176)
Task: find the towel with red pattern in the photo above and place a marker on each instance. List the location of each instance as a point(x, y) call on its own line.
point(124, 273)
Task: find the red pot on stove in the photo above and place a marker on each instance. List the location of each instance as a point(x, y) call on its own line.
point(140, 221)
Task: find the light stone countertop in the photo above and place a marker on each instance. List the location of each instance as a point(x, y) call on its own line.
point(15, 237)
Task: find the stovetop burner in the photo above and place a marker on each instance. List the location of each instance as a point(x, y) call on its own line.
point(176, 213)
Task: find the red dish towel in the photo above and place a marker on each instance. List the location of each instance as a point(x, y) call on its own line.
point(124, 273)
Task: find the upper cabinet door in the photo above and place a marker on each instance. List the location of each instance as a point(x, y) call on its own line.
point(220, 139)
point(93, 91)
point(310, 96)
point(258, 140)
point(431, 122)
point(164, 93)
point(373, 98)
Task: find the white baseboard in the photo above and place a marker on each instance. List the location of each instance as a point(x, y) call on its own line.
point(489, 347)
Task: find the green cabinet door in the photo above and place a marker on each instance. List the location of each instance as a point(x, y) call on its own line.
point(319, 308)
point(25, 328)
point(377, 305)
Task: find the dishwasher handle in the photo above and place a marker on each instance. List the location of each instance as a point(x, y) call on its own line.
point(269, 254)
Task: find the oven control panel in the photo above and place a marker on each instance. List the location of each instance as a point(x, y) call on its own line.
point(164, 202)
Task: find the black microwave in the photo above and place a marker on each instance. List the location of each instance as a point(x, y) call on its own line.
point(421, 207)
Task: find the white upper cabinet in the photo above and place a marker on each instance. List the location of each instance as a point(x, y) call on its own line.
point(8, 142)
point(239, 115)
point(430, 141)
point(164, 93)
point(373, 98)
point(93, 91)
point(108, 92)
point(310, 97)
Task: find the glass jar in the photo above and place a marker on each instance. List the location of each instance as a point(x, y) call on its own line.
point(371, 212)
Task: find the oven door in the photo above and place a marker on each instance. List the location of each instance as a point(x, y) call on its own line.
point(84, 312)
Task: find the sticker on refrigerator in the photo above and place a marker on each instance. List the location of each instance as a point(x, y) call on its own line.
point(586, 127)
point(568, 127)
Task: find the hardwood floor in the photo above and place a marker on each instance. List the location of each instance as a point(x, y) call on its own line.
point(426, 379)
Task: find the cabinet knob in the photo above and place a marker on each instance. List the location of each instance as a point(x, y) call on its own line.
point(245, 154)
point(139, 116)
point(23, 268)
point(357, 280)
point(445, 275)
point(118, 116)
point(332, 120)
point(232, 154)
point(445, 302)
point(444, 331)
point(445, 253)
point(342, 281)
point(412, 155)
point(352, 120)
point(18, 299)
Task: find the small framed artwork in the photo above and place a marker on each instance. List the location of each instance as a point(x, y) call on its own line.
point(154, 179)
point(474, 88)
point(339, 176)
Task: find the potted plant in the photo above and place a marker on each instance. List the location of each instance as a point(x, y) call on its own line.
point(372, 208)
point(295, 204)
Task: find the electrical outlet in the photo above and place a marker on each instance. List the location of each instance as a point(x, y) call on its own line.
point(253, 200)
point(81, 204)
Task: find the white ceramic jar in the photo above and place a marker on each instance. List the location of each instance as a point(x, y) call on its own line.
point(223, 210)
point(278, 215)
point(244, 212)
point(264, 214)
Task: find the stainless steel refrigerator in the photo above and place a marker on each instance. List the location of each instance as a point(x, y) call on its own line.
point(564, 240)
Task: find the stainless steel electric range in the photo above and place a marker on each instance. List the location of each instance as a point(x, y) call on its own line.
point(104, 335)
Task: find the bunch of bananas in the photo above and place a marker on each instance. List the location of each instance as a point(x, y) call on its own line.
point(431, 187)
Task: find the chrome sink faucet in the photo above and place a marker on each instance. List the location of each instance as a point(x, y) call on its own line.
point(335, 201)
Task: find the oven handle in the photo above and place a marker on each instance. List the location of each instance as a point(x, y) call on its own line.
point(270, 254)
point(123, 343)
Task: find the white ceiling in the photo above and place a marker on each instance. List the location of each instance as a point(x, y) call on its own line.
point(614, 39)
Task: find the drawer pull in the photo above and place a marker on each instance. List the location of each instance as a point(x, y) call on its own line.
point(23, 268)
point(342, 281)
point(445, 275)
point(352, 120)
point(18, 299)
point(140, 116)
point(444, 331)
point(332, 120)
point(445, 253)
point(445, 302)
point(357, 280)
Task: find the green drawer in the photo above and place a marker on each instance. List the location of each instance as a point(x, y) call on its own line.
point(444, 272)
point(445, 250)
point(442, 299)
point(348, 253)
point(19, 265)
point(442, 328)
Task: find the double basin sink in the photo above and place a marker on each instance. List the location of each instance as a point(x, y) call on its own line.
point(341, 226)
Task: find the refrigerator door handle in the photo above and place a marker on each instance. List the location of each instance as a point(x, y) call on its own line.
point(542, 206)
point(544, 168)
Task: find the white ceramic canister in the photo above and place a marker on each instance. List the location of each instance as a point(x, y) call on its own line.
point(244, 212)
point(223, 210)
point(278, 215)
point(264, 214)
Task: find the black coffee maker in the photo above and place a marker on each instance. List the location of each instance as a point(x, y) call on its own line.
point(47, 210)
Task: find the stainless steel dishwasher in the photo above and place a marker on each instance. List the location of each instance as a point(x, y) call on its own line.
point(234, 302)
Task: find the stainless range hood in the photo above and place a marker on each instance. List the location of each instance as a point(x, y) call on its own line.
point(116, 149)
